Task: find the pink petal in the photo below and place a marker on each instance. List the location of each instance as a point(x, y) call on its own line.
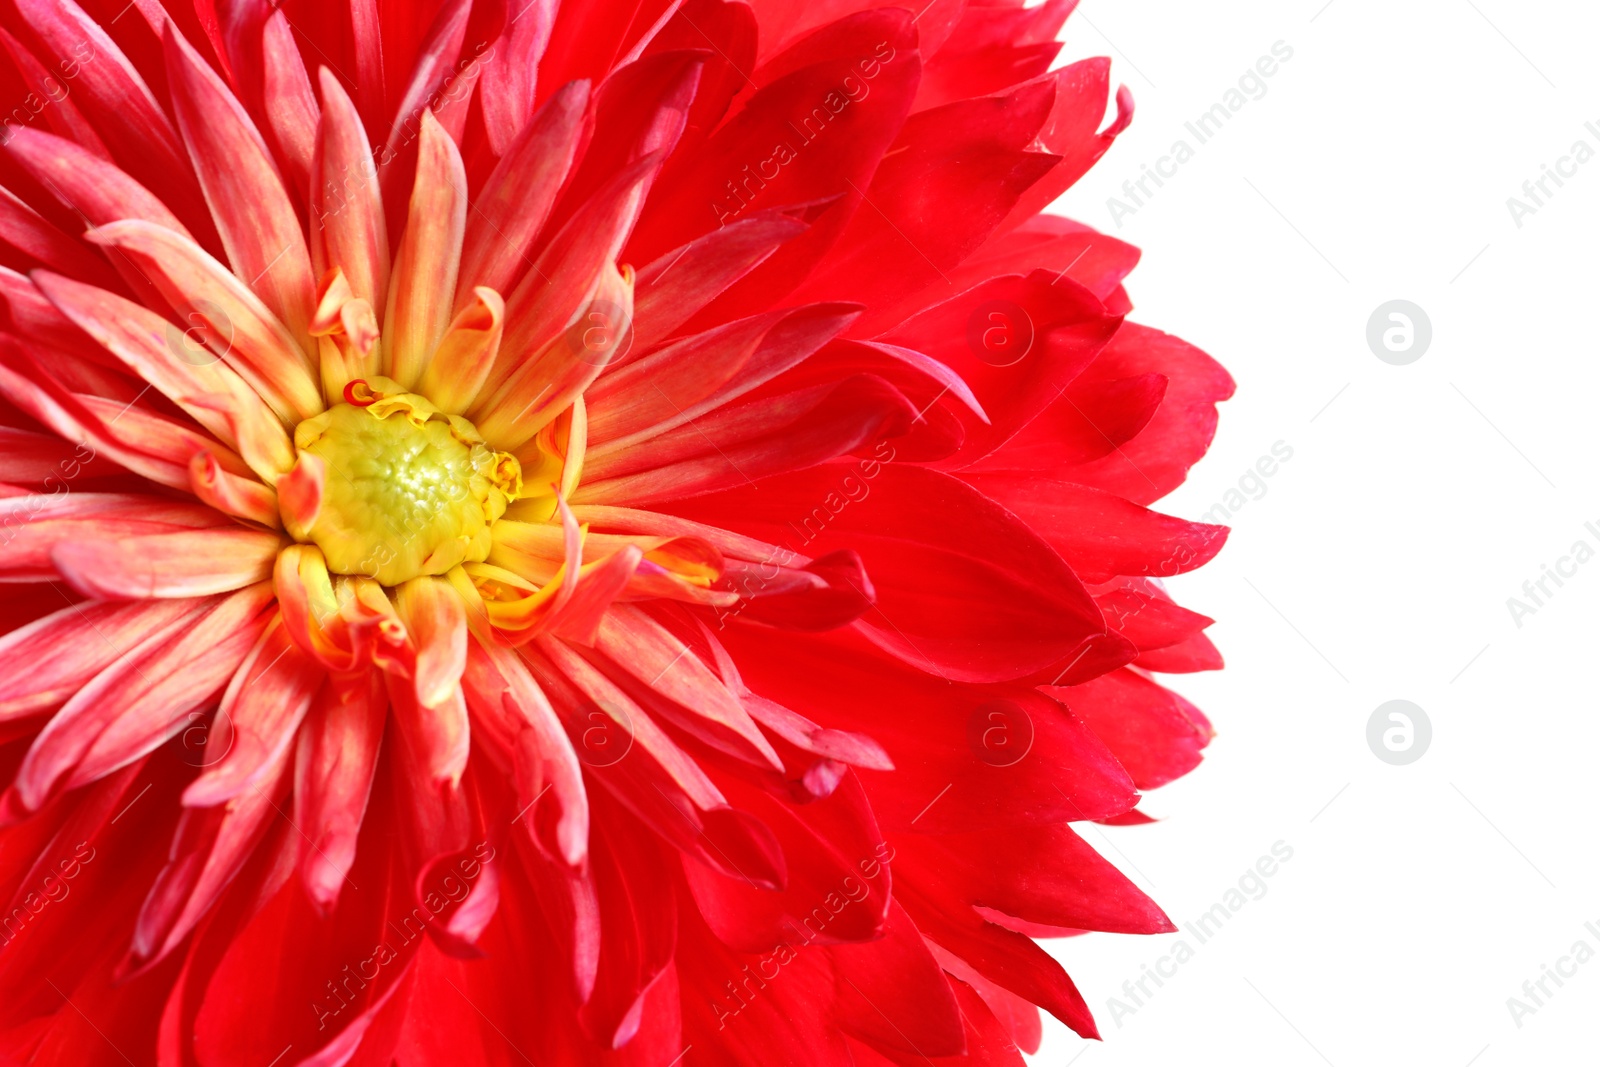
point(143, 698)
point(65, 650)
point(263, 706)
point(168, 565)
point(158, 352)
point(334, 769)
point(348, 231)
point(260, 227)
point(516, 199)
point(232, 321)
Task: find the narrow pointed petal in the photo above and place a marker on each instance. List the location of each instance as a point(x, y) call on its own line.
point(635, 726)
point(70, 416)
point(263, 706)
point(515, 201)
point(239, 327)
point(65, 118)
point(143, 698)
point(434, 65)
point(65, 650)
point(644, 649)
point(544, 387)
point(334, 768)
point(157, 351)
point(739, 445)
point(287, 100)
point(112, 95)
point(499, 683)
point(36, 524)
point(28, 232)
point(259, 225)
point(208, 851)
point(85, 182)
point(561, 282)
point(148, 442)
point(682, 282)
point(509, 76)
point(423, 286)
point(28, 458)
point(347, 228)
point(632, 410)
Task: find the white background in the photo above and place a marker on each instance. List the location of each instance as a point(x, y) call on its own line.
point(1379, 561)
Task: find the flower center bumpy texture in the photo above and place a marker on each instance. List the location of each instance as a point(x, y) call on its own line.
point(406, 489)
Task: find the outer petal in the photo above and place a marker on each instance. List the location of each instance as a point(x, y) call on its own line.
point(964, 590)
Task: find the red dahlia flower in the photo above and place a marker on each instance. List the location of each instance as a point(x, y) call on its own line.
point(584, 533)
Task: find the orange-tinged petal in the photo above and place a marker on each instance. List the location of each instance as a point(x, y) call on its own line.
point(168, 565)
point(346, 329)
point(652, 654)
point(543, 388)
point(460, 364)
point(561, 283)
point(156, 350)
point(423, 286)
point(259, 225)
point(437, 622)
point(347, 227)
point(310, 608)
point(241, 497)
point(239, 327)
point(300, 493)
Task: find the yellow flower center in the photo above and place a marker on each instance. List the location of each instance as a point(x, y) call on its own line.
point(408, 490)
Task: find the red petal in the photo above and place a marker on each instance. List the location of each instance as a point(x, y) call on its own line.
point(1142, 723)
point(168, 564)
point(964, 589)
point(1101, 534)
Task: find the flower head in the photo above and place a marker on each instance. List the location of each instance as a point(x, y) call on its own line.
point(571, 533)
